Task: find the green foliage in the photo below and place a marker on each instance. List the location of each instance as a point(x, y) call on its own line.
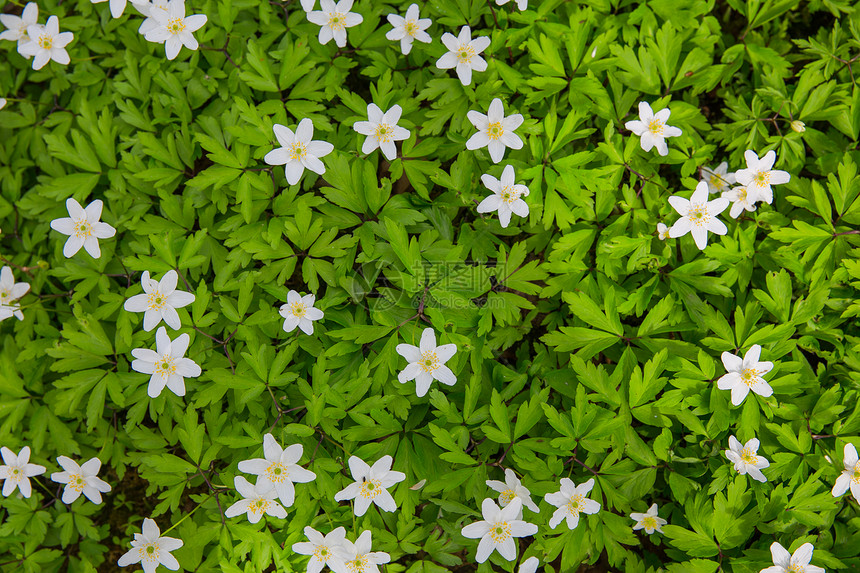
point(586, 347)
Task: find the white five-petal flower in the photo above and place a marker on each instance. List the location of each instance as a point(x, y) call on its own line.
point(511, 489)
point(463, 54)
point(743, 375)
point(426, 362)
point(10, 291)
point(652, 129)
point(371, 484)
point(335, 19)
point(498, 530)
point(381, 130)
point(759, 175)
point(256, 500)
point(46, 43)
point(299, 311)
point(167, 364)
point(280, 468)
point(649, 521)
point(746, 458)
point(506, 197)
point(698, 215)
point(117, 7)
point(409, 28)
point(785, 562)
point(17, 26)
point(297, 151)
point(83, 228)
point(850, 476)
point(160, 299)
point(662, 231)
point(150, 549)
point(571, 500)
point(495, 131)
point(358, 556)
point(81, 479)
point(174, 29)
point(718, 180)
point(324, 551)
point(16, 471)
point(741, 200)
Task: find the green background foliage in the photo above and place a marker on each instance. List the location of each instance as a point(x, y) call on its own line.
point(586, 346)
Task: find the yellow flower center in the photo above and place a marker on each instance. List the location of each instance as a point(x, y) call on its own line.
point(370, 488)
point(175, 25)
point(575, 505)
point(500, 532)
point(357, 565)
point(717, 181)
point(649, 522)
point(276, 473)
point(45, 42)
point(148, 552)
point(298, 309)
point(495, 130)
point(17, 474)
point(749, 376)
point(655, 126)
point(76, 482)
point(742, 194)
point(429, 361)
point(83, 228)
point(259, 506)
point(507, 496)
point(336, 21)
point(165, 366)
point(762, 178)
point(748, 456)
point(155, 300)
point(856, 477)
point(509, 194)
point(384, 132)
point(321, 552)
point(465, 53)
point(298, 151)
point(796, 568)
point(698, 215)
point(411, 27)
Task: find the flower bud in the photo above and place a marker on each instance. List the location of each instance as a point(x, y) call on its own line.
point(798, 126)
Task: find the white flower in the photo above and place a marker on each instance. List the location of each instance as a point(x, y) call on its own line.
point(279, 468)
point(571, 500)
point(506, 196)
point(117, 7)
point(498, 529)
point(530, 565)
point(408, 29)
point(166, 364)
point(335, 19)
point(740, 199)
point(308, 5)
point(745, 374)
point(150, 549)
point(698, 215)
point(662, 231)
point(652, 128)
point(381, 130)
point(174, 29)
point(784, 562)
point(426, 362)
point(298, 151)
point(512, 489)
point(83, 228)
point(81, 479)
point(522, 5)
point(324, 551)
point(648, 520)
point(257, 500)
point(758, 176)
point(371, 484)
point(146, 8)
point(495, 131)
point(17, 26)
point(718, 179)
point(10, 291)
point(746, 459)
point(2, 102)
point(16, 471)
point(160, 299)
point(358, 556)
point(299, 311)
point(850, 476)
point(46, 43)
point(463, 54)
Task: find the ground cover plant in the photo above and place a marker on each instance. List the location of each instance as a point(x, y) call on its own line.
point(446, 286)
